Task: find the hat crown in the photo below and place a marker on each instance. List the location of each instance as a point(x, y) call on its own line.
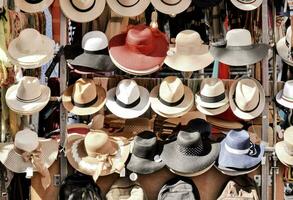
point(144, 145)
point(171, 89)
point(29, 40)
point(84, 91)
point(94, 41)
point(238, 140)
point(83, 4)
point(288, 35)
point(288, 90)
point(96, 142)
point(211, 87)
point(127, 91)
point(189, 41)
point(189, 139)
point(26, 140)
point(238, 37)
point(26, 86)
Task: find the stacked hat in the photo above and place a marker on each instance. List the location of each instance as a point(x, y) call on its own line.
point(285, 96)
point(171, 7)
point(212, 98)
point(33, 6)
point(128, 8)
point(284, 47)
point(171, 98)
point(247, 4)
point(284, 149)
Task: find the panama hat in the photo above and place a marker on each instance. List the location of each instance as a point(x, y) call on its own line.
point(284, 149)
point(144, 47)
point(284, 47)
point(192, 174)
point(189, 53)
point(82, 10)
point(285, 96)
point(128, 100)
point(84, 97)
point(33, 6)
point(21, 99)
point(171, 97)
point(171, 7)
point(128, 8)
point(97, 154)
point(247, 4)
point(239, 50)
point(247, 98)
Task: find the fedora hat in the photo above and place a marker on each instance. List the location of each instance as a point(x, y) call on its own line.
point(33, 6)
point(284, 149)
point(239, 50)
point(212, 98)
point(84, 97)
point(93, 43)
point(247, 4)
point(145, 157)
point(238, 152)
point(29, 53)
point(189, 53)
point(171, 7)
point(144, 47)
point(285, 96)
point(29, 153)
point(247, 98)
point(21, 99)
point(82, 10)
point(96, 153)
point(192, 174)
point(128, 8)
point(128, 100)
point(171, 97)
point(284, 47)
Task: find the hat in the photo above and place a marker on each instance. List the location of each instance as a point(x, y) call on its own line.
point(212, 98)
point(247, 4)
point(199, 125)
point(144, 47)
point(92, 43)
point(189, 53)
point(239, 50)
point(224, 124)
point(238, 172)
point(247, 98)
point(31, 53)
point(33, 6)
point(284, 47)
point(128, 100)
point(171, 7)
point(21, 99)
point(285, 96)
point(171, 97)
point(128, 8)
point(284, 149)
point(97, 154)
point(238, 152)
point(193, 174)
point(84, 97)
point(82, 10)
point(145, 157)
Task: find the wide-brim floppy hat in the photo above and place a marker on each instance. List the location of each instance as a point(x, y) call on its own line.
point(232, 172)
point(30, 65)
point(283, 47)
point(128, 8)
point(82, 11)
point(170, 7)
point(285, 96)
point(284, 148)
point(247, 5)
point(33, 6)
point(193, 174)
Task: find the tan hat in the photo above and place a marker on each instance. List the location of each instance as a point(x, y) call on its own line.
point(97, 154)
point(33, 6)
point(284, 149)
point(189, 54)
point(128, 8)
point(84, 97)
point(171, 7)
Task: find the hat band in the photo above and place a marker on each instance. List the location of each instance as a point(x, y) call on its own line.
point(84, 105)
point(287, 98)
point(246, 1)
point(28, 100)
point(33, 1)
point(171, 4)
point(191, 151)
point(214, 99)
point(127, 6)
point(236, 151)
point(246, 110)
point(97, 52)
point(171, 104)
point(82, 10)
point(120, 103)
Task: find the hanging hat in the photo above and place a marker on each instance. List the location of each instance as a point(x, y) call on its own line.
point(193, 174)
point(171, 7)
point(171, 97)
point(284, 47)
point(97, 154)
point(21, 99)
point(145, 49)
point(212, 98)
point(29, 53)
point(128, 8)
point(247, 4)
point(247, 98)
point(239, 50)
point(82, 10)
point(285, 96)
point(84, 97)
point(92, 43)
point(284, 149)
point(224, 124)
point(33, 6)
point(189, 53)
point(128, 100)
point(145, 157)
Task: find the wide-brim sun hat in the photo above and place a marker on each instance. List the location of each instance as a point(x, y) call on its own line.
point(130, 8)
point(171, 7)
point(193, 174)
point(247, 5)
point(33, 6)
point(284, 148)
point(212, 111)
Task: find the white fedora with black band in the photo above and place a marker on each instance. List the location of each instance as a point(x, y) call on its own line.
point(284, 47)
point(171, 7)
point(33, 6)
point(247, 4)
point(128, 8)
point(285, 96)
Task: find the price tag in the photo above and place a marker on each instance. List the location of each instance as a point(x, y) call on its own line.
point(133, 176)
point(29, 172)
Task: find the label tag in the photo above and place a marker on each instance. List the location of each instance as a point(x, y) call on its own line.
point(29, 172)
point(123, 172)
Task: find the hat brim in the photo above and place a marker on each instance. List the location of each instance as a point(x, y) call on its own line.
point(241, 56)
point(282, 154)
point(27, 108)
point(231, 172)
point(247, 6)
point(282, 101)
point(212, 111)
point(283, 51)
point(14, 161)
point(128, 11)
point(33, 8)
point(67, 102)
point(128, 113)
point(176, 115)
point(171, 9)
point(211, 105)
point(224, 123)
point(70, 12)
point(143, 166)
point(193, 174)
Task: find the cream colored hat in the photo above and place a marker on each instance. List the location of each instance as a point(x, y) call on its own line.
point(285, 96)
point(284, 46)
point(284, 149)
point(171, 7)
point(21, 99)
point(247, 4)
point(33, 6)
point(128, 8)
point(189, 54)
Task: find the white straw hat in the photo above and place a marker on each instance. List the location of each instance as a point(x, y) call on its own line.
point(171, 7)
point(284, 47)
point(247, 4)
point(285, 96)
point(284, 149)
point(33, 6)
point(128, 8)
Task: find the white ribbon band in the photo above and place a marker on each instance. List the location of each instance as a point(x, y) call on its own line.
point(236, 151)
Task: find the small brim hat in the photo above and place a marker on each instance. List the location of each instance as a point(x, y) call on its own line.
point(33, 6)
point(282, 101)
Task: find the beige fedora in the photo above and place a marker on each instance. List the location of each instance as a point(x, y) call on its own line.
point(189, 53)
point(284, 46)
point(82, 10)
point(128, 8)
point(171, 7)
point(247, 4)
point(21, 99)
point(284, 149)
point(171, 97)
point(285, 96)
point(192, 174)
point(247, 98)
point(33, 6)
point(97, 154)
point(84, 97)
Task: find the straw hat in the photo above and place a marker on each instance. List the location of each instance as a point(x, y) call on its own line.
point(128, 100)
point(97, 154)
point(171, 97)
point(171, 7)
point(84, 97)
point(128, 8)
point(189, 53)
point(247, 98)
point(192, 174)
point(82, 10)
point(21, 99)
point(284, 47)
point(33, 6)
point(285, 96)
point(247, 4)
point(284, 149)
